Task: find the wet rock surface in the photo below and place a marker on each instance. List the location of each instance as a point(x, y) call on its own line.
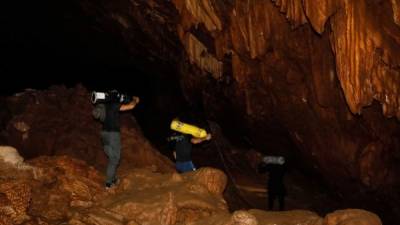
point(61, 189)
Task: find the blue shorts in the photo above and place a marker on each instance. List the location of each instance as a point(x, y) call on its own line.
point(182, 167)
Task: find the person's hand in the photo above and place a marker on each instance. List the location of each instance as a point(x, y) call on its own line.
point(208, 137)
point(130, 105)
point(136, 100)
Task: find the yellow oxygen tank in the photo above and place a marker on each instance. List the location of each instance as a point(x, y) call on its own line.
point(185, 128)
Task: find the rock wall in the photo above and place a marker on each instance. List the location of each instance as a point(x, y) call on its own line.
point(328, 72)
point(325, 71)
point(59, 121)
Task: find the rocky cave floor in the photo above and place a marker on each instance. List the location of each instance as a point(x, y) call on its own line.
point(249, 190)
point(63, 190)
point(62, 180)
point(246, 189)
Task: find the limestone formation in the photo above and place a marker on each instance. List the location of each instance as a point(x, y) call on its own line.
point(70, 191)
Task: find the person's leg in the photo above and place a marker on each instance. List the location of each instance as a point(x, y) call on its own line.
point(182, 167)
point(191, 166)
point(179, 167)
point(108, 151)
point(112, 147)
point(281, 199)
point(271, 199)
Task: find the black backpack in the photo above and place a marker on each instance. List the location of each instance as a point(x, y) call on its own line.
point(99, 112)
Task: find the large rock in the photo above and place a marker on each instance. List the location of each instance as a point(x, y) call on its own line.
point(214, 180)
point(50, 193)
point(63, 185)
point(15, 197)
point(287, 217)
point(12, 165)
point(352, 217)
point(67, 190)
point(293, 217)
point(58, 121)
point(11, 157)
point(167, 199)
point(145, 197)
point(259, 217)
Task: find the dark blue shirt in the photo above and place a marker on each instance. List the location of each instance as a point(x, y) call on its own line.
point(183, 147)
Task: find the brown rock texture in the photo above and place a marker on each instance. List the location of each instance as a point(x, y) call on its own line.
point(142, 152)
point(352, 217)
point(326, 72)
point(58, 121)
point(355, 35)
point(147, 197)
point(288, 217)
point(16, 196)
point(365, 52)
point(310, 67)
point(63, 185)
point(68, 191)
point(49, 192)
point(214, 180)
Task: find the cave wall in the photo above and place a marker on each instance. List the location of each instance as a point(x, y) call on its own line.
point(363, 35)
point(58, 121)
point(326, 71)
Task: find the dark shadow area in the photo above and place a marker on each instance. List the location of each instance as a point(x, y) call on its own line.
point(55, 43)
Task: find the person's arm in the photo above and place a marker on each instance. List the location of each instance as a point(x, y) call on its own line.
point(130, 105)
point(199, 140)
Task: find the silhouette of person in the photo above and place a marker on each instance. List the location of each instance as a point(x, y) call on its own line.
point(182, 145)
point(108, 114)
point(275, 166)
point(183, 150)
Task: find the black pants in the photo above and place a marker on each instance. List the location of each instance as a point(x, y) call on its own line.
point(271, 199)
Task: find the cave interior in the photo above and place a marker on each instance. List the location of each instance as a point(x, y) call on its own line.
point(317, 83)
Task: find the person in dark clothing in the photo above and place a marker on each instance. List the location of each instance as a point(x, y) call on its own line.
point(275, 166)
point(183, 150)
point(111, 136)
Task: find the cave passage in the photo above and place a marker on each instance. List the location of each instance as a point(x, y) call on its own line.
point(262, 78)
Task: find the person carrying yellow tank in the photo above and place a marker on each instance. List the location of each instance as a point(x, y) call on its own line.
point(183, 137)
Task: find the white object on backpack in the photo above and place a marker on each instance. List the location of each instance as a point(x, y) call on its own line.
point(280, 160)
